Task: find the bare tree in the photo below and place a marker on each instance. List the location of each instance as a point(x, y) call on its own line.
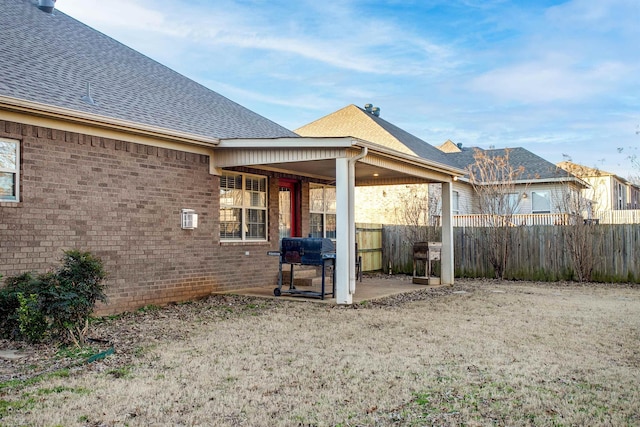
point(582, 234)
point(632, 155)
point(418, 209)
point(493, 178)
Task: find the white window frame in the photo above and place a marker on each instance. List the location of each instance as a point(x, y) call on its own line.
point(326, 210)
point(455, 203)
point(547, 197)
point(244, 207)
point(506, 204)
point(620, 199)
point(15, 171)
point(513, 201)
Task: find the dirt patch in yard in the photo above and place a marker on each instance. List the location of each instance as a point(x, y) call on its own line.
point(478, 353)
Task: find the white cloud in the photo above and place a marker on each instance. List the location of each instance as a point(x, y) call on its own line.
point(375, 46)
point(129, 14)
point(597, 15)
point(553, 78)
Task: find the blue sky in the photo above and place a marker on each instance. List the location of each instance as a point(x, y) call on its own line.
point(560, 78)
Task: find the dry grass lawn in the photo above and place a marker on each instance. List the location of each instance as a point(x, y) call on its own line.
point(480, 353)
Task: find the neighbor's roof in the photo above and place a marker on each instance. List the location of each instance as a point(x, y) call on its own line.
point(587, 172)
point(535, 167)
point(356, 122)
point(584, 171)
point(50, 58)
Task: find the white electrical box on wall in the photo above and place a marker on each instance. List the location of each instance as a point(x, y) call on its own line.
point(189, 219)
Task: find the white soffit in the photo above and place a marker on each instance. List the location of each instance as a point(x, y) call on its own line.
point(251, 156)
point(302, 142)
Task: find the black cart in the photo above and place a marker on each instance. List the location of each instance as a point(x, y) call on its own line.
point(307, 251)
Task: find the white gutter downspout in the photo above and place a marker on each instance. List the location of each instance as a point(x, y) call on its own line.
point(352, 218)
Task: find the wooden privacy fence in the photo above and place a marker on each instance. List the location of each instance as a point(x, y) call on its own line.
point(536, 252)
point(397, 248)
point(369, 240)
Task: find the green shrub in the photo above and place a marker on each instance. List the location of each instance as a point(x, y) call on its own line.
point(69, 294)
point(63, 300)
point(31, 321)
point(9, 304)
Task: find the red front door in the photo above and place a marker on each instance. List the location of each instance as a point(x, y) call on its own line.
point(289, 207)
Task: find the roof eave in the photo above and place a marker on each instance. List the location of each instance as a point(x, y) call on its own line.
point(437, 166)
point(536, 181)
point(287, 142)
point(338, 142)
point(95, 120)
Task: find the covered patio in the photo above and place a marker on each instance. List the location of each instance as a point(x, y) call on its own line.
point(345, 162)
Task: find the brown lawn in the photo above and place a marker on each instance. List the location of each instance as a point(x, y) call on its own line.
point(480, 353)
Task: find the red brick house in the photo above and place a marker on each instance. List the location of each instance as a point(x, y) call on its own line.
point(104, 149)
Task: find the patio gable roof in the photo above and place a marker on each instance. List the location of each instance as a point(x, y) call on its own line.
point(315, 158)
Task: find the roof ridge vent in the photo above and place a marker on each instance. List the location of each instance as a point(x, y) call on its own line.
point(87, 97)
point(46, 5)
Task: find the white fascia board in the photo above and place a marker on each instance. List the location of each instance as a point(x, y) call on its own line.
point(550, 181)
point(534, 181)
point(293, 142)
point(73, 116)
point(386, 152)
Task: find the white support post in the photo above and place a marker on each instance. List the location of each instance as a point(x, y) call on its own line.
point(344, 204)
point(446, 256)
point(352, 228)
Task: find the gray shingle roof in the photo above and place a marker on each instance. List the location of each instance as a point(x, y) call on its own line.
point(535, 167)
point(421, 148)
point(357, 122)
point(50, 58)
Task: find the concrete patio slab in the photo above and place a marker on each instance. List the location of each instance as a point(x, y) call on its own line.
point(371, 288)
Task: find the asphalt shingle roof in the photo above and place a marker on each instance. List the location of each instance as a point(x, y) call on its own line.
point(356, 122)
point(418, 146)
point(50, 59)
point(535, 167)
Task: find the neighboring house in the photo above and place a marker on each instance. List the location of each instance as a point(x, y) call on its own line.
point(542, 188)
point(379, 202)
point(612, 197)
point(179, 190)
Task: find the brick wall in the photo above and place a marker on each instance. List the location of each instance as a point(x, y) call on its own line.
point(383, 204)
point(122, 201)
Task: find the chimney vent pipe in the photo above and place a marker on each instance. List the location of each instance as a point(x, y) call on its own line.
point(46, 5)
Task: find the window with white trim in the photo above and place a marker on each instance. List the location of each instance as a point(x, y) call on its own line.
point(455, 203)
point(505, 204)
point(540, 202)
point(620, 196)
point(243, 207)
point(513, 203)
point(322, 208)
point(9, 170)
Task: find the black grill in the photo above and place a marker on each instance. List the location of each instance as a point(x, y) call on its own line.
point(306, 251)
